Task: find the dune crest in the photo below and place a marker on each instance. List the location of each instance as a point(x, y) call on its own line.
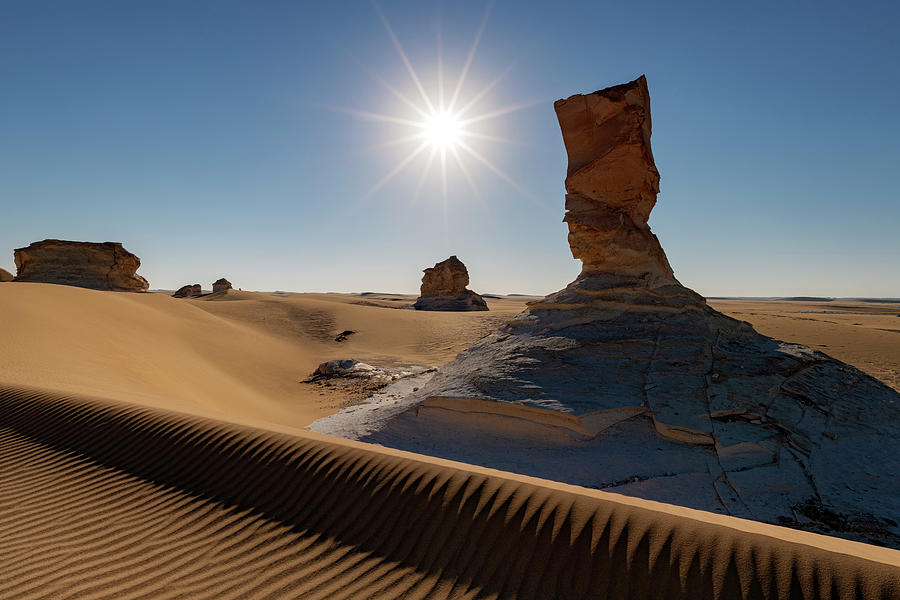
point(113, 500)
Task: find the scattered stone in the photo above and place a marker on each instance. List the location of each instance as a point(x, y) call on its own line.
point(628, 381)
point(94, 265)
point(222, 285)
point(5, 275)
point(444, 288)
point(188, 291)
point(358, 380)
point(342, 336)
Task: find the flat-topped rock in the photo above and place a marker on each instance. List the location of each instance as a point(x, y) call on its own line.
point(94, 265)
point(628, 381)
point(444, 288)
point(222, 285)
point(188, 291)
point(5, 275)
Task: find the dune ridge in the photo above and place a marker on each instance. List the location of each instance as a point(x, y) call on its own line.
point(100, 499)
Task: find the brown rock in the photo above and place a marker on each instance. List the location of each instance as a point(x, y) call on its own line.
point(94, 265)
point(5, 275)
point(611, 187)
point(444, 288)
point(188, 291)
point(222, 285)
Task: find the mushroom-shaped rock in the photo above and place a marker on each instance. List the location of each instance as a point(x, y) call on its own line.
point(188, 291)
point(94, 265)
point(222, 285)
point(5, 275)
point(628, 381)
point(444, 288)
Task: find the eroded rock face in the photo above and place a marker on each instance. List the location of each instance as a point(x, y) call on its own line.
point(188, 291)
point(94, 265)
point(222, 285)
point(444, 288)
point(627, 381)
point(611, 187)
point(5, 275)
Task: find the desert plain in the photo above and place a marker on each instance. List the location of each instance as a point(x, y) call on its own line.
point(244, 355)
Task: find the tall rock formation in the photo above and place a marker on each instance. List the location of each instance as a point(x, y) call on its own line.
point(444, 288)
point(94, 265)
point(611, 187)
point(626, 380)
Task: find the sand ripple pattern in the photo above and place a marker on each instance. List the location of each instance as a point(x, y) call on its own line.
point(104, 500)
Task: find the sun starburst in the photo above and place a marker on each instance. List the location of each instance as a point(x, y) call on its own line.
point(437, 124)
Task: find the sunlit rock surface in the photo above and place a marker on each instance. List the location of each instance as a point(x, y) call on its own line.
point(627, 381)
point(444, 288)
point(94, 265)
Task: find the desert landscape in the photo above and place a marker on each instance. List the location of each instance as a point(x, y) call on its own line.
point(182, 416)
point(104, 393)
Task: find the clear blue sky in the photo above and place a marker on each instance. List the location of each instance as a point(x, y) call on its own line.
point(203, 135)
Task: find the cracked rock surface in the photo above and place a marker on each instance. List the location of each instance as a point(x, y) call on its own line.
point(627, 381)
point(94, 265)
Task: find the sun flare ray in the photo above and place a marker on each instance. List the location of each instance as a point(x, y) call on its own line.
point(363, 114)
point(465, 171)
point(437, 122)
point(396, 170)
point(500, 112)
point(497, 170)
point(424, 175)
point(471, 56)
point(397, 93)
point(403, 57)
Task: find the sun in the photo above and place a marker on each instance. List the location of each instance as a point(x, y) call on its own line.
point(443, 130)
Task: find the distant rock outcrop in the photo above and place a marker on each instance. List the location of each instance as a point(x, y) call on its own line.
point(628, 381)
point(222, 285)
point(444, 288)
point(188, 291)
point(5, 275)
point(94, 265)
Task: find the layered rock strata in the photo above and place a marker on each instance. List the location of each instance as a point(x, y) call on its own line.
point(627, 381)
point(188, 291)
point(94, 265)
point(222, 285)
point(444, 288)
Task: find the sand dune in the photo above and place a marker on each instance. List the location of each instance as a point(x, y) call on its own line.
point(242, 355)
point(103, 499)
point(239, 355)
point(154, 482)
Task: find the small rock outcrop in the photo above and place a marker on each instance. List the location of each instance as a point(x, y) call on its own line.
point(444, 288)
point(94, 265)
point(188, 291)
point(628, 381)
point(222, 285)
point(5, 275)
